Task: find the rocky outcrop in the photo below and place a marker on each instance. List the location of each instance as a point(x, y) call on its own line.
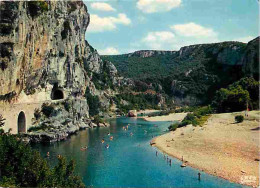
point(45, 57)
point(250, 59)
point(150, 53)
point(43, 47)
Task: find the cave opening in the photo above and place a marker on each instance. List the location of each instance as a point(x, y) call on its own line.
point(57, 94)
point(21, 122)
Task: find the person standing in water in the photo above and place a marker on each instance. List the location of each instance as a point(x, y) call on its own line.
point(199, 176)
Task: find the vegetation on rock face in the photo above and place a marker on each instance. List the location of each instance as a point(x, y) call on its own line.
point(20, 166)
point(37, 7)
point(192, 75)
point(47, 109)
point(239, 118)
point(103, 80)
point(98, 119)
point(93, 103)
point(137, 102)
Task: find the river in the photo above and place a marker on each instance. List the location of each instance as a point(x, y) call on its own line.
point(129, 161)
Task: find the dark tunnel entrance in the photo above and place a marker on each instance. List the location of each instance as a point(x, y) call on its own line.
point(57, 94)
point(21, 123)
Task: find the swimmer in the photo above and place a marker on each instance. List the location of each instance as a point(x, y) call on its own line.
point(111, 137)
point(102, 141)
point(131, 134)
point(107, 146)
point(83, 148)
point(108, 133)
point(48, 154)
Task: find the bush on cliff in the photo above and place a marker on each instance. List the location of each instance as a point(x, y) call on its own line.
point(47, 109)
point(20, 166)
point(93, 103)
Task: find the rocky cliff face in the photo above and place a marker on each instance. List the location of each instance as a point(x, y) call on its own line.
point(43, 49)
point(250, 60)
point(42, 46)
point(45, 57)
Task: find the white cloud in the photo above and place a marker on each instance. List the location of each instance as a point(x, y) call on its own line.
point(102, 6)
point(100, 24)
point(193, 30)
point(152, 6)
point(158, 40)
point(109, 51)
point(244, 39)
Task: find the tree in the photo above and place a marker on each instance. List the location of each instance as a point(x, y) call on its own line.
point(20, 166)
point(231, 99)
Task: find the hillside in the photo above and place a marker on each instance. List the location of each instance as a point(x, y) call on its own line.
point(194, 73)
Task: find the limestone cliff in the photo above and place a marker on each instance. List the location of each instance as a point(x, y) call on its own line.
point(43, 49)
point(46, 67)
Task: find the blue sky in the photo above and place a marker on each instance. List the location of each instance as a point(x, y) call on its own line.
point(124, 26)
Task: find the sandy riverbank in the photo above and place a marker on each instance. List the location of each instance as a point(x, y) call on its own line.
point(170, 117)
point(221, 147)
point(147, 111)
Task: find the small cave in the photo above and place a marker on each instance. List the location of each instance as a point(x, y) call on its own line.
point(57, 94)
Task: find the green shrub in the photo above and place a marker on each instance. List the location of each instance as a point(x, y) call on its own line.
point(37, 113)
point(47, 109)
point(67, 105)
point(93, 103)
point(239, 118)
point(199, 116)
point(173, 127)
point(20, 166)
point(40, 127)
point(98, 119)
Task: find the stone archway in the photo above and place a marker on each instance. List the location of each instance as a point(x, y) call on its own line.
point(21, 123)
point(57, 94)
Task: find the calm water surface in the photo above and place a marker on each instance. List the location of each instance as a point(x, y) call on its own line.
point(130, 161)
